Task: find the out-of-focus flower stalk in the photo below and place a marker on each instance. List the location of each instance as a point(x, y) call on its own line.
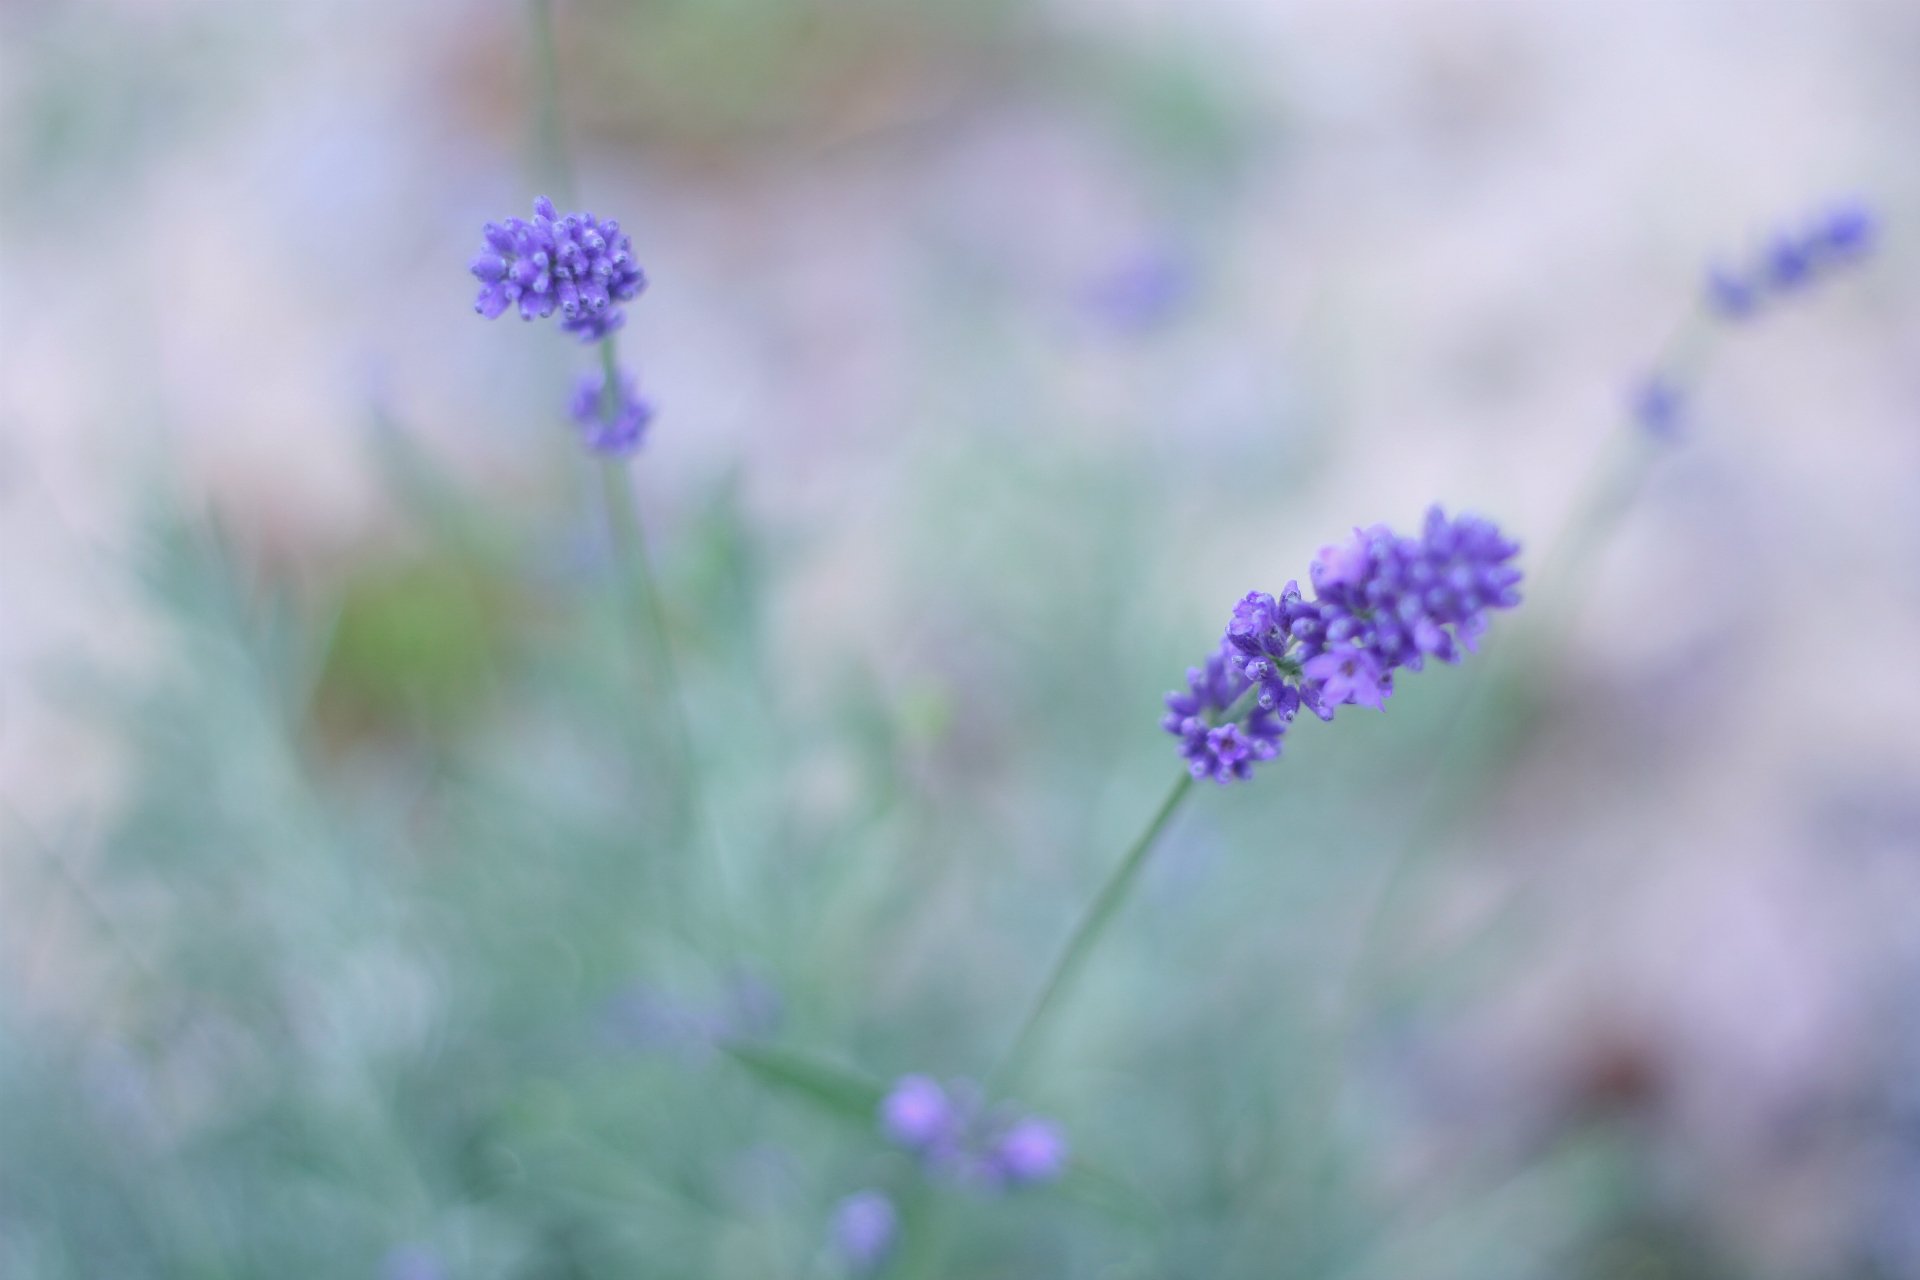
point(633, 566)
point(1093, 924)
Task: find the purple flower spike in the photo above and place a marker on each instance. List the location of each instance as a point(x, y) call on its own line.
point(1031, 1151)
point(577, 266)
point(1382, 602)
point(958, 1140)
point(917, 1114)
point(611, 433)
point(1793, 260)
point(865, 1227)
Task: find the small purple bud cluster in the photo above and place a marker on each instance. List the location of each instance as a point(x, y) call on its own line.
point(612, 429)
point(1382, 603)
point(1792, 260)
point(1789, 263)
point(865, 1227)
point(956, 1137)
point(1222, 751)
point(1660, 406)
point(577, 265)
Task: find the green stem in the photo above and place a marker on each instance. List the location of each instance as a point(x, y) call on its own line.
point(1085, 935)
point(643, 597)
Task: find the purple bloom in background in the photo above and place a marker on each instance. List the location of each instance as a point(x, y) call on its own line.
point(1847, 231)
point(865, 1226)
point(576, 265)
point(412, 1262)
point(1659, 405)
point(618, 432)
point(1143, 293)
point(1788, 263)
point(1730, 296)
point(1793, 261)
point(1382, 602)
point(918, 1114)
point(956, 1139)
point(1032, 1150)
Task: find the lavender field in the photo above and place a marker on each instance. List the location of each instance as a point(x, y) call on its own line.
point(891, 639)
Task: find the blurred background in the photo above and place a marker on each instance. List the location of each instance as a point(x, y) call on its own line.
point(354, 919)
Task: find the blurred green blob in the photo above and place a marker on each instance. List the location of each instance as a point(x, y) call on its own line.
point(416, 644)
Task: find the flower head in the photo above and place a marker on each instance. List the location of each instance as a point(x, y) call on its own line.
point(1382, 602)
point(958, 1139)
point(577, 265)
point(1031, 1150)
point(614, 429)
point(865, 1226)
point(1792, 260)
point(918, 1114)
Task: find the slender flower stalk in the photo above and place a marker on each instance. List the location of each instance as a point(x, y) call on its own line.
point(582, 268)
point(1383, 603)
point(1080, 943)
point(1793, 261)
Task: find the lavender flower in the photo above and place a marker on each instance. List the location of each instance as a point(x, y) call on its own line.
point(1659, 406)
point(959, 1140)
point(1031, 1150)
point(412, 1262)
point(1223, 752)
point(1793, 261)
point(865, 1227)
point(1382, 603)
point(918, 1114)
point(618, 431)
point(577, 265)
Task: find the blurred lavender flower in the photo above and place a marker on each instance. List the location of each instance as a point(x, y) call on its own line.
point(918, 1114)
point(1383, 602)
point(1729, 296)
point(648, 1019)
point(577, 265)
point(1031, 1150)
point(618, 432)
point(865, 1226)
point(1793, 261)
point(1659, 406)
point(412, 1262)
point(957, 1139)
point(1142, 293)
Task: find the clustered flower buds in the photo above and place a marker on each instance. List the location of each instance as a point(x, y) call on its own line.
point(576, 265)
point(615, 428)
point(582, 268)
point(956, 1137)
point(865, 1228)
point(1788, 264)
point(1791, 261)
point(1381, 603)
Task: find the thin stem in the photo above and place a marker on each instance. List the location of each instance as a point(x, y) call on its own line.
point(643, 595)
point(1085, 935)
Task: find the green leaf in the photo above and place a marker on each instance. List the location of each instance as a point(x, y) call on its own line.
point(843, 1091)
